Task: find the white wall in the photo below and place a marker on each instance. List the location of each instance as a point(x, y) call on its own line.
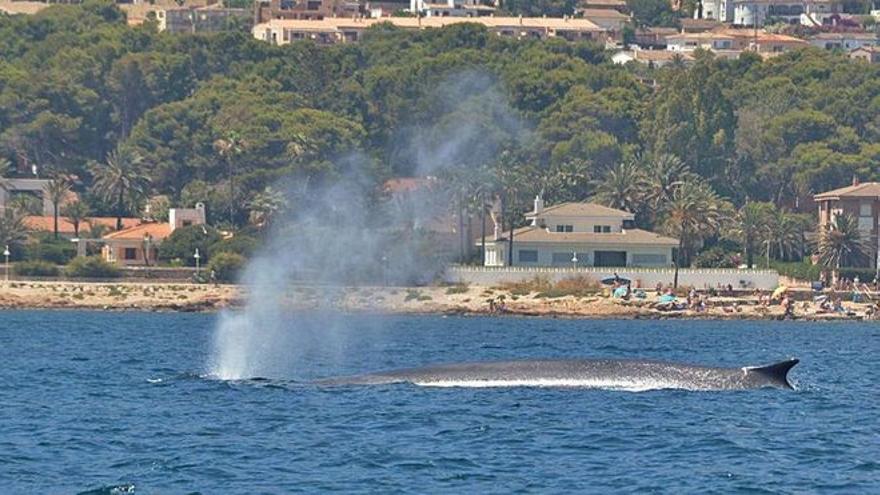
point(646, 277)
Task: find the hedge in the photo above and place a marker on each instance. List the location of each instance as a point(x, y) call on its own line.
point(226, 266)
point(36, 269)
point(91, 267)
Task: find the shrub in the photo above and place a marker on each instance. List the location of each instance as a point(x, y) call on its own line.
point(91, 267)
point(243, 245)
point(578, 286)
point(182, 244)
point(716, 257)
point(799, 270)
point(36, 269)
point(537, 284)
point(225, 266)
point(457, 289)
point(59, 252)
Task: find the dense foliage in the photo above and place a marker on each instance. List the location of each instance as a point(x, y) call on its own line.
point(36, 269)
point(133, 114)
point(91, 267)
point(225, 267)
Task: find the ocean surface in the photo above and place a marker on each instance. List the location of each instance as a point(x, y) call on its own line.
point(123, 403)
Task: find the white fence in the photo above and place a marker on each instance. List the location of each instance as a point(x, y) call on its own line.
point(645, 277)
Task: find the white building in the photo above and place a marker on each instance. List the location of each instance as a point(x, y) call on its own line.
point(844, 41)
point(580, 234)
point(451, 8)
point(807, 12)
point(719, 10)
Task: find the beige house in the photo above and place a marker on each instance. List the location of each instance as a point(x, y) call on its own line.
point(870, 54)
point(862, 201)
point(342, 30)
point(580, 234)
point(139, 245)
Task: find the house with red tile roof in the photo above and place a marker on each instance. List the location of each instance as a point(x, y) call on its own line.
point(46, 223)
point(139, 244)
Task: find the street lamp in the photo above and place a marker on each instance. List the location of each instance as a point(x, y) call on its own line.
point(6, 253)
point(197, 257)
point(147, 239)
point(574, 260)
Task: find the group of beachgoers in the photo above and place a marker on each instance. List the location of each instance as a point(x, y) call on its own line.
point(697, 301)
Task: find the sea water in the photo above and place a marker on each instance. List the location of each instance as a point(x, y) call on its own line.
point(123, 403)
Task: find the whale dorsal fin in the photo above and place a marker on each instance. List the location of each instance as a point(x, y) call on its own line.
point(776, 373)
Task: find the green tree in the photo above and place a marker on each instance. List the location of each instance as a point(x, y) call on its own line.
point(750, 224)
point(120, 182)
point(840, 244)
point(693, 213)
point(13, 230)
point(181, 245)
point(625, 187)
point(265, 205)
point(76, 213)
point(57, 190)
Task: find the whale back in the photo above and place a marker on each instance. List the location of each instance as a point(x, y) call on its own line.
point(624, 374)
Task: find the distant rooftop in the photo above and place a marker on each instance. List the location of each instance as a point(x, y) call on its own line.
point(629, 236)
point(864, 190)
point(581, 210)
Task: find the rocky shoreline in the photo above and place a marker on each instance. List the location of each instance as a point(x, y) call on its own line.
point(457, 300)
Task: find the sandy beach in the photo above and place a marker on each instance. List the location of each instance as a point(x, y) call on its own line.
point(472, 300)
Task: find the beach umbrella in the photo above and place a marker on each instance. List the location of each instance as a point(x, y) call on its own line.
point(611, 280)
point(782, 289)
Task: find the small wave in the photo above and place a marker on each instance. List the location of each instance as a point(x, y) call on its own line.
point(110, 490)
point(155, 380)
point(640, 386)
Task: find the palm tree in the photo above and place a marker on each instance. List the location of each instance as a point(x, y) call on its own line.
point(228, 148)
point(264, 205)
point(664, 173)
point(624, 187)
point(57, 190)
point(119, 181)
point(12, 227)
point(786, 233)
point(748, 226)
point(5, 169)
point(693, 213)
point(76, 213)
point(840, 244)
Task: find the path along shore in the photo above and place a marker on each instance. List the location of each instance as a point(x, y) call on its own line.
point(472, 300)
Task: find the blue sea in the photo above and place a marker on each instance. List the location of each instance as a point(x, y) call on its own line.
point(123, 403)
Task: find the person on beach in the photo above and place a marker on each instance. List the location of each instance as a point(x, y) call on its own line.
point(788, 306)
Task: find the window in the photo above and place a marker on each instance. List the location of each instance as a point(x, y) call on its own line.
point(601, 229)
point(564, 228)
point(187, 223)
point(865, 209)
point(130, 254)
point(561, 258)
point(528, 256)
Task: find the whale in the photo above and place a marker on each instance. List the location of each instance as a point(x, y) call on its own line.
point(626, 374)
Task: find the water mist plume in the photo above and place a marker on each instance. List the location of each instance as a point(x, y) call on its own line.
point(339, 236)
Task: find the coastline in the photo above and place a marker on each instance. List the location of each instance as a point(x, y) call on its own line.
point(436, 300)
